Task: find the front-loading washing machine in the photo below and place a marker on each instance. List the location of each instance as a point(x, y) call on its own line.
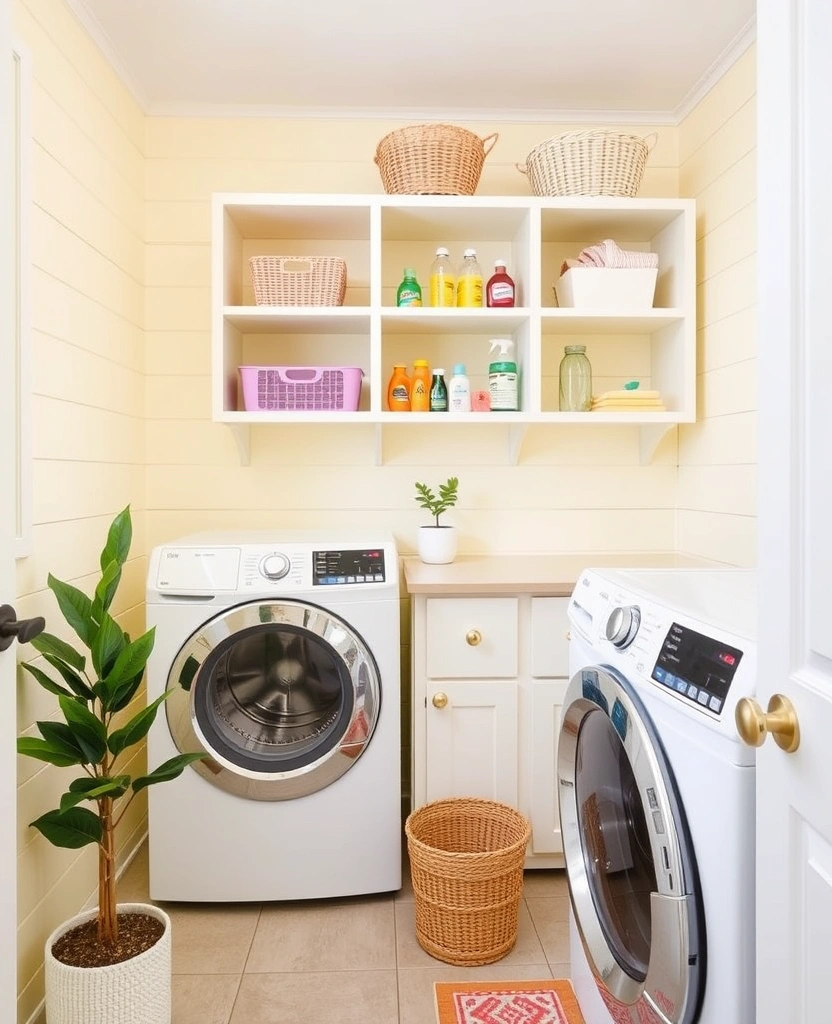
point(657, 796)
point(280, 657)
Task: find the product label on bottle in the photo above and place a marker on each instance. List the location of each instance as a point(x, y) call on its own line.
point(408, 297)
point(442, 290)
point(399, 393)
point(502, 293)
point(469, 291)
point(502, 389)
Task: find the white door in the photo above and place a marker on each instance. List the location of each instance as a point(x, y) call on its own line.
point(794, 807)
point(8, 757)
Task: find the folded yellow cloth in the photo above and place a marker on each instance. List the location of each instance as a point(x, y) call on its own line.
point(633, 395)
point(627, 407)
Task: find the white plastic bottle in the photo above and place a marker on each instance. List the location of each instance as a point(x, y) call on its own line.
point(459, 391)
point(469, 281)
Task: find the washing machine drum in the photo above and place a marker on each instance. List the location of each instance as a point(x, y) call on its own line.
point(282, 696)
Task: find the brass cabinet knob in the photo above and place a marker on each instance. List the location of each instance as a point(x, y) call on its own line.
point(753, 724)
point(440, 700)
point(473, 637)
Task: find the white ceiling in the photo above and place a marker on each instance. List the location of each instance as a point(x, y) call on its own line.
point(500, 59)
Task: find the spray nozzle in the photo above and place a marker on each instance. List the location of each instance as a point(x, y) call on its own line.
point(504, 345)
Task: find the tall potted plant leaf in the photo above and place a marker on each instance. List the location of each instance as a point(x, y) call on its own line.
point(94, 684)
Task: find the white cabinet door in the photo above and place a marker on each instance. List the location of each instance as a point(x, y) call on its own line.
point(471, 740)
point(794, 809)
point(471, 638)
point(8, 717)
point(545, 709)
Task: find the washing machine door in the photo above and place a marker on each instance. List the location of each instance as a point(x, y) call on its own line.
point(282, 695)
point(632, 875)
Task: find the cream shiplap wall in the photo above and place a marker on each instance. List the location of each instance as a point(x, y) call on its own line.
point(86, 243)
point(575, 489)
point(717, 455)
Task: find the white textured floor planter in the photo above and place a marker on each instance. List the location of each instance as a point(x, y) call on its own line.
point(137, 991)
point(437, 544)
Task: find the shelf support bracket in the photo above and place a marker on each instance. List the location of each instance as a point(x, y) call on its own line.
point(651, 436)
point(516, 434)
point(242, 435)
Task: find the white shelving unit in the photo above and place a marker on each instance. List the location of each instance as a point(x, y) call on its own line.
point(379, 235)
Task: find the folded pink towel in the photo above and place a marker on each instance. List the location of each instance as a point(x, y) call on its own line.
point(609, 254)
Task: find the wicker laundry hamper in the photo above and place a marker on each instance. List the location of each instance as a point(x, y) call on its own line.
point(466, 863)
point(432, 159)
point(588, 163)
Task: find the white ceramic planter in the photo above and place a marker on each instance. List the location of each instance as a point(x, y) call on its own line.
point(437, 544)
point(137, 991)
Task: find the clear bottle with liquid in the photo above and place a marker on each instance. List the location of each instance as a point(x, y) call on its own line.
point(575, 374)
point(442, 280)
point(469, 282)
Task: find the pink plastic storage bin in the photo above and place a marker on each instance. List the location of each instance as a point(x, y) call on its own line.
point(301, 388)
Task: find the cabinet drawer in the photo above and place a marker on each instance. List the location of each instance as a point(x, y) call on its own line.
point(550, 637)
point(472, 638)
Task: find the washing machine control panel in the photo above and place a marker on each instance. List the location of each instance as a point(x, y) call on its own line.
point(696, 667)
point(331, 568)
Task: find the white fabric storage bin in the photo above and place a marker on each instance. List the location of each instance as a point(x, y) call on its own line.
point(607, 287)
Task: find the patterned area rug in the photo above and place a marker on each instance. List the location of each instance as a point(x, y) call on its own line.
point(506, 1002)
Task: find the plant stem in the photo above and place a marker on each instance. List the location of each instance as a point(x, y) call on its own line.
point(107, 917)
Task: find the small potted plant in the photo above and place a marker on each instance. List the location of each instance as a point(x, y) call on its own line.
point(437, 542)
point(110, 966)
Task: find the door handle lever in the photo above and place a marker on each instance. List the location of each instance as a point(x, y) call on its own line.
point(22, 630)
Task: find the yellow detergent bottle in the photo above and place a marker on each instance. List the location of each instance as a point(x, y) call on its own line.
point(442, 280)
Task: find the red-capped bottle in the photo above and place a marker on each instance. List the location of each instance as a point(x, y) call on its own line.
point(500, 288)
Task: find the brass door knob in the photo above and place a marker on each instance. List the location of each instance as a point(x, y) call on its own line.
point(440, 700)
point(473, 637)
point(753, 724)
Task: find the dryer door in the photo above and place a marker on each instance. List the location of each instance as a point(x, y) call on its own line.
point(629, 859)
point(282, 695)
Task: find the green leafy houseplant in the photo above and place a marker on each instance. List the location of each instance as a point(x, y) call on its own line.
point(434, 504)
point(93, 686)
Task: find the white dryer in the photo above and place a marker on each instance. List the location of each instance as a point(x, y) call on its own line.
point(657, 796)
point(280, 655)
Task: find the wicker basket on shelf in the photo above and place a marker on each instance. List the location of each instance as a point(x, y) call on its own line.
point(298, 280)
point(588, 163)
point(432, 159)
point(466, 863)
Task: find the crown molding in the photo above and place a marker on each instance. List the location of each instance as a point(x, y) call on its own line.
point(668, 118)
point(485, 116)
point(92, 27)
point(744, 39)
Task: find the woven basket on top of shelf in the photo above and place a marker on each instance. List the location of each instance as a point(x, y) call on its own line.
point(588, 163)
point(466, 863)
point(432, 159)
point(298, 280)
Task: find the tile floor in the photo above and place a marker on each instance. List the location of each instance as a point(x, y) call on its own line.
point(348, 961)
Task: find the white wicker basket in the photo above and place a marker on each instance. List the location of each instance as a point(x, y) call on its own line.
point(589, 163)
point(136, 991)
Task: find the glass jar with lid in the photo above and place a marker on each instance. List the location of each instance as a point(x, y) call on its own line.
point(575, 392)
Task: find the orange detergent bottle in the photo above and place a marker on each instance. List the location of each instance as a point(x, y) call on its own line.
point(398, 390)
point(420, 387)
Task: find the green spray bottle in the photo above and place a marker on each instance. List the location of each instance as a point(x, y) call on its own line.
point(502, 377)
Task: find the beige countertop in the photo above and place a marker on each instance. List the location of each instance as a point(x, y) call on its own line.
point(555, 575)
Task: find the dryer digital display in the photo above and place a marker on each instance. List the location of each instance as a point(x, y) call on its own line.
point(333, 567)
point(696, 667)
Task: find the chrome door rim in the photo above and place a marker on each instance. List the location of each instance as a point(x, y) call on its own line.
point(354, 732)
point(672, 985)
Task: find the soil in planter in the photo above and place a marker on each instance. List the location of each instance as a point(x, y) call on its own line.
point(80, 947)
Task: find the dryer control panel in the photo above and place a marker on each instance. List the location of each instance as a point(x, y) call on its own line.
point(696, 666)
point(331, 568)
